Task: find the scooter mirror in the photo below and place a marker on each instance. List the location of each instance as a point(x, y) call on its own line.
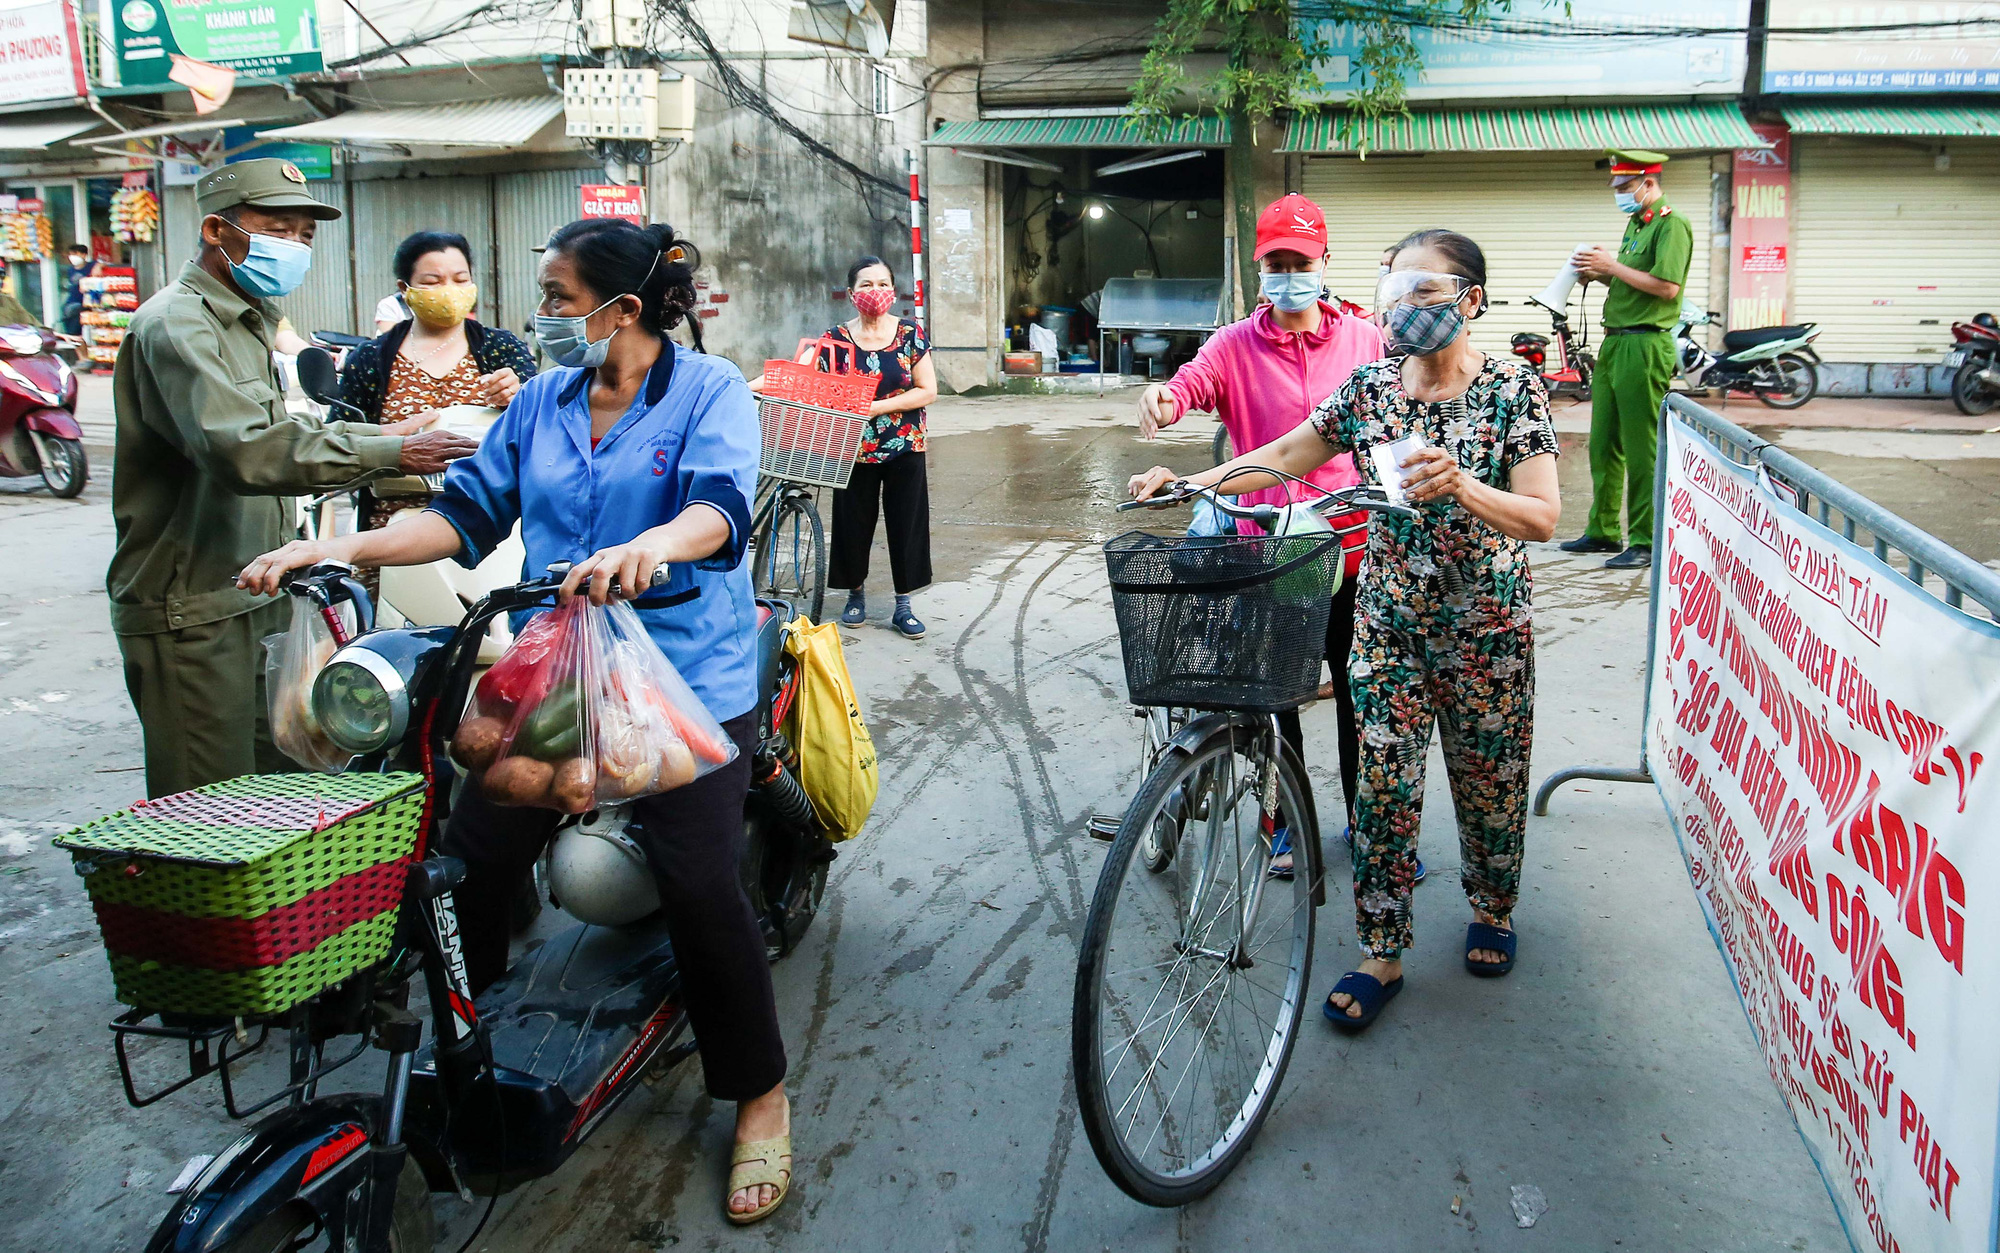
point(317, 375)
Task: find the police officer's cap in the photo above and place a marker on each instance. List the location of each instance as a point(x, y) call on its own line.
point(265, 183)
point(1626, 161)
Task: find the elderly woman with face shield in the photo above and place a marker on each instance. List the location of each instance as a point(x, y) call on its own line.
point(1262, 376)
point(1442, 630)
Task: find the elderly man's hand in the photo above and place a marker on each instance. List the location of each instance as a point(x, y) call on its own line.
point(432, 451)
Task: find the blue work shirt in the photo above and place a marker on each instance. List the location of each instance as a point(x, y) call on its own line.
point(690, 436)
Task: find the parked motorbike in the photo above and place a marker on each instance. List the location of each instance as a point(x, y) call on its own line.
point(511, 1084)
point(38, 429)
point(1975, 363)
point(1776, 364)
point(1569, 374)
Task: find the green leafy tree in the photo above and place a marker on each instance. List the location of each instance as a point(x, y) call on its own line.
point(1271, 57)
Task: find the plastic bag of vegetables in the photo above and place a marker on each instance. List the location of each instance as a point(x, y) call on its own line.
point(584, 710)
point(292, 660)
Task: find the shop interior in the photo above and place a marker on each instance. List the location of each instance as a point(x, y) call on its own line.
point(1076, 218)
point(38, 223)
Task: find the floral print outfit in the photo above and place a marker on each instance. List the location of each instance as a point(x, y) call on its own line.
point(889, 435)
point(1443, 634)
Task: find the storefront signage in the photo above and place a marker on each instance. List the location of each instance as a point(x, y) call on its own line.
point(602, 200)
point(1760, 229)
point(256, 38)
point(1546, 49)
point(315, 161)
point(1938, 59)
point(40, 56)
point(1825, 736)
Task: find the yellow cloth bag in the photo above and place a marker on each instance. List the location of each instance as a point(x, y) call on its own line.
point(836, 754)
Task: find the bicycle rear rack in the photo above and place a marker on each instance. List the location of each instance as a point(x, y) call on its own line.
point(209, 1053)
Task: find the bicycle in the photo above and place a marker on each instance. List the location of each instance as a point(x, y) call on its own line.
point(1191, 974)
point(805, 447)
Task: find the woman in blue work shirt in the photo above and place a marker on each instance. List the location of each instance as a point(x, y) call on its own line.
point(640, 453)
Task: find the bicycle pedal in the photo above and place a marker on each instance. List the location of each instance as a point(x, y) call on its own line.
point(1103, 827)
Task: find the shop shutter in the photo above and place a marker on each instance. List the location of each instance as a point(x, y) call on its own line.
point(1887, 249)
point(1527, 212)
point(531, 206)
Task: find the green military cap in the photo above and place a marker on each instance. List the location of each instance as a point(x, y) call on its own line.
point(1636, 161)
point(265, 183)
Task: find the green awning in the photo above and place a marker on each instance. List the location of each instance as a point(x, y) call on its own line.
point(1120, 131)
point(1943, 121)
point(1676, 128)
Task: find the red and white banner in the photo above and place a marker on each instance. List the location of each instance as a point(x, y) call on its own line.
point(610, 200)
point(1760, 229)
point(1825, 737)
point(40, 55)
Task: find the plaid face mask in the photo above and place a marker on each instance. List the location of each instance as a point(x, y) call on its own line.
point(1421, 330)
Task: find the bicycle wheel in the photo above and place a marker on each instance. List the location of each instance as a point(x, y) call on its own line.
point(791, 556)
point(1190, 983)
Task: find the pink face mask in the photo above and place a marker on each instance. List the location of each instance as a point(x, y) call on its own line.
point(874, 301)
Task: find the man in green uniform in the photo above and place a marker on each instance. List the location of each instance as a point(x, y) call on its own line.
point(205, 455)
point(1635, 365)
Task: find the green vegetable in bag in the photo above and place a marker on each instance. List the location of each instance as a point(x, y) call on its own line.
point(554, 730)
point(1314, 580)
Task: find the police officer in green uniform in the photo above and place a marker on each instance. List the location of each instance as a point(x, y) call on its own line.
point(205, 455)
point(1635, 364)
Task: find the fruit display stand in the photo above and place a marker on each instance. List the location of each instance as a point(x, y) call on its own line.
point(108, 302)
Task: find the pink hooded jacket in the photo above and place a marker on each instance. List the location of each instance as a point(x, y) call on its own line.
point(1262, 381)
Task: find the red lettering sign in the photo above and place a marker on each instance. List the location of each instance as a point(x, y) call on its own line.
point(608, 200)
point(1760, 226)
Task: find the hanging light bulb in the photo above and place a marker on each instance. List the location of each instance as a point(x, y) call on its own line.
point(1097, 211)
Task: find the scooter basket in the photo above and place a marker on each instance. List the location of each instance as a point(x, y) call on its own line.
point(248, 896)
point(1223, 622)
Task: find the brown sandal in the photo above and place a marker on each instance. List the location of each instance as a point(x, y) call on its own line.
point(754, 1164)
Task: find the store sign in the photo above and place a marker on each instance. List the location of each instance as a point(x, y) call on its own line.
point(256, 38)
point(315, 161)
point(40, 56)
point(601, 200)
point(1546, 49)
point(1760, 229)
point(1940, 59)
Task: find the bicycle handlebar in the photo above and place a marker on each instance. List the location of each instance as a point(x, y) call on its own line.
point(1361, 496)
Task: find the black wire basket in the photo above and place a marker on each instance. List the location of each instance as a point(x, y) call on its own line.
point(1229, 622)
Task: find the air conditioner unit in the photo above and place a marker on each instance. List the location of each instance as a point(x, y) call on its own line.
point(856, 25)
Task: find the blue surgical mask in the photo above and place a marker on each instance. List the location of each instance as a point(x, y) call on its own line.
point(1628, 203)
point(273, 267)
point(567, 342)
point(1291, 293)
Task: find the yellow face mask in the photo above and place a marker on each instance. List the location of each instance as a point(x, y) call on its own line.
point(442, 306)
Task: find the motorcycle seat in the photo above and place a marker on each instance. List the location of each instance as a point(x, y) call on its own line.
point(1737, 341)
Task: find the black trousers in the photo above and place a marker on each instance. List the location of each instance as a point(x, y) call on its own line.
point(693, 836)
point(900, 491)
point(1339, 643)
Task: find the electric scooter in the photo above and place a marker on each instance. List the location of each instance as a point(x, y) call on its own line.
point(38, 429)
point(1776, 364)
point(510, 1084)
point(1975, 364)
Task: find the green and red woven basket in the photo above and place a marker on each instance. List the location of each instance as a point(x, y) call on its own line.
point(248, 896)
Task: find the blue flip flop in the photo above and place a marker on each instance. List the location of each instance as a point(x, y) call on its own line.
point(1486, 935)
point(1370, 993)
point(1281, 843)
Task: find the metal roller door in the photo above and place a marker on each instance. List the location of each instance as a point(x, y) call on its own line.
point(1888, 250)
point(1527, 211)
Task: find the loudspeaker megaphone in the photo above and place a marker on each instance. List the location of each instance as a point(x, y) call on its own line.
point(1555, 297)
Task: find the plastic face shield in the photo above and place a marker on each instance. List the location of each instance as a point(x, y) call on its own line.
point(1419, 287)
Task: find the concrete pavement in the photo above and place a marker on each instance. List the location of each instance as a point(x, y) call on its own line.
point(927, 1012)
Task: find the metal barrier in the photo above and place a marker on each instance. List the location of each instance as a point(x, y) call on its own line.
point(1926, 559)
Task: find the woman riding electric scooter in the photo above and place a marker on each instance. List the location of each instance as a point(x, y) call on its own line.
point(637, 454)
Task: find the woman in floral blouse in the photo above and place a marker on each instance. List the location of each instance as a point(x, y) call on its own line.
point(1443, 630)
point(889, 474)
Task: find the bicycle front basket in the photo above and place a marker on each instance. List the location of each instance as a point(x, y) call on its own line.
point(1228, 622)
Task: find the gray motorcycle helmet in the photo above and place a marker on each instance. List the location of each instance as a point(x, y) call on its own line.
point(598, 873)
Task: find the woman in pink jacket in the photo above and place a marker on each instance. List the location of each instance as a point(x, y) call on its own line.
point(1262, 376)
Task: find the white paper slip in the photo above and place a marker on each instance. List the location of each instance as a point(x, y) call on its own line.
point(1388, 459)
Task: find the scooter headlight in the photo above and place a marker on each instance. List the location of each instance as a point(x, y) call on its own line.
point(361, 700)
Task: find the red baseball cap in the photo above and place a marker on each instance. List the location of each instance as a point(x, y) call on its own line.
point(1293, 223)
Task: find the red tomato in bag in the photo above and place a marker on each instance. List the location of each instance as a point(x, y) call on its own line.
point(526, 670)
